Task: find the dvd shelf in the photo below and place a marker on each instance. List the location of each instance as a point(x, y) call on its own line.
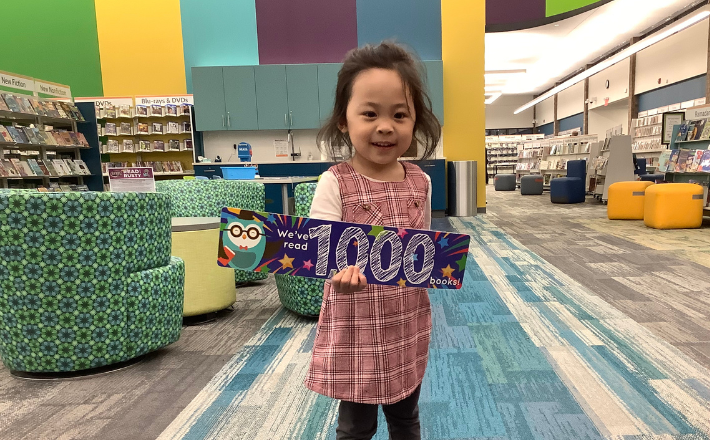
point(39, 143)
point(557, 151)
point(157, 135)
point(502, 152)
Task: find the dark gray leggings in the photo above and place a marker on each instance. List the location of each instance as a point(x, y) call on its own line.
point(358, 421)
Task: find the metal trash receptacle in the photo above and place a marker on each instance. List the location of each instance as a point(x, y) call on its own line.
point(462, 188)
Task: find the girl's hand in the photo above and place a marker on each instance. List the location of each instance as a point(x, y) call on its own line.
point(349, 280)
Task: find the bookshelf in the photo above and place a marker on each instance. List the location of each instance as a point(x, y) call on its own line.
point(40, 145)
point(502, 152)
point(529, 158)
point(613, 163)
point(155, 131)
point(559, 150)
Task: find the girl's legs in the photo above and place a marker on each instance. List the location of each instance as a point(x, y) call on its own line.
point(356, 421)
point(403, 418)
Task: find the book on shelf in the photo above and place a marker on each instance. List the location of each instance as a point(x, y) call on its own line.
point(663, 160)
point(124, 111)
point(50, 167)
point(110, 129)
point(36, 169)
point(158, 146)
point(705, 162)
point(673, 161)
point(156, 110)
point(156, 128)
point(127, 146)
point(705, 135)
point(697, 130)
point(11, 102)
point(3, 105)
point(10, 168)
point(5, 135)
point(126, 128)
point(694, 160)
point(61, 167)
point(22, 167)
point(682, 132)
point(81, 166)
point(112, 146)
point(141, 110)
point(109, 111)
point(682, 163)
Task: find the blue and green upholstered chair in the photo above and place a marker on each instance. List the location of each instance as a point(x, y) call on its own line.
point(206, 198)
point(303, 296)
point(86, 279)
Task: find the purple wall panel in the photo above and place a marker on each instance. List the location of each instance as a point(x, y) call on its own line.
point(305, 31)
point(513, 11)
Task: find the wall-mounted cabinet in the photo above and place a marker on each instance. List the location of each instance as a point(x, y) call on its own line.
point(279, 97)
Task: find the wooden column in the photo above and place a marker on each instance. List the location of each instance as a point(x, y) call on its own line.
point(534, 125)
point(585, 129)
point(633, 100)
point(556, 123)
point(707, 86)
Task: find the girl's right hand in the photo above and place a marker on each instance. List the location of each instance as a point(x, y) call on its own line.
point(349, 280)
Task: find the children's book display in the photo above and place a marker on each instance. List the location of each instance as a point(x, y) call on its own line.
point(684, 161)
point(305, 247)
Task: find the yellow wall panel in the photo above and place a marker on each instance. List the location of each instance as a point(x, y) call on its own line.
point(463, 27)
point(140, 45)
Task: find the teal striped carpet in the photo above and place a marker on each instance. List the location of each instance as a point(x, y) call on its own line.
point(520, 352)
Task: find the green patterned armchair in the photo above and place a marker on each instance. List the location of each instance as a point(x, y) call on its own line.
point(303, 296)
point(86, 279)
point(206, 198)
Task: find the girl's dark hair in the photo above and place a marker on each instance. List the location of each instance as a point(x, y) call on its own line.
point(386, 55)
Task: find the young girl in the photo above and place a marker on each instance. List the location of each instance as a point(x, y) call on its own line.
point(372, 342)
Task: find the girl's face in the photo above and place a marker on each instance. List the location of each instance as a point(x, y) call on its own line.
point(380, 116)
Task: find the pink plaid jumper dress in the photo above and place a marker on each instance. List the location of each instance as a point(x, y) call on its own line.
point(372, 346)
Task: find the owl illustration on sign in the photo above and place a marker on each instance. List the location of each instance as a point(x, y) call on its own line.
point(242, 241)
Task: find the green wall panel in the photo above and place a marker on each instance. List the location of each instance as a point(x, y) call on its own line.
point(555, 7)
point(54, 41)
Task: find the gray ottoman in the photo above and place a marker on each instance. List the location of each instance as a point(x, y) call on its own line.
point(505, 182)
point(531, 185)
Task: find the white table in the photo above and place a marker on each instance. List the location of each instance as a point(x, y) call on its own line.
point(284, 182)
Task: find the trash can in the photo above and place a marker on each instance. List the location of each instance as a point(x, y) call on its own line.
point(462, 188)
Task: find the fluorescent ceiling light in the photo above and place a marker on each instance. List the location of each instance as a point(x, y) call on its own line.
point(493, 98)
point(643, 44)
point(493, 89)
point(498, 73)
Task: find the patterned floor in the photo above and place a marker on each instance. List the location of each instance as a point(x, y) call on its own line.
point(521, 352)
point(571, 331)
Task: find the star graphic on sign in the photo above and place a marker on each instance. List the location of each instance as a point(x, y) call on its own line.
point(307, 265)
point(415, 257)
point(447, 271)
point(375, 231)
point(401, 232)
point(444, 242)
point(402, 283)
point(286, 262)
point(355, 243)
point(462, 262)
point(271, 218)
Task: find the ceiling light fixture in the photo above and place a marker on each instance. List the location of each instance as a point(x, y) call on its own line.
point(493, 98)
point(643, 44)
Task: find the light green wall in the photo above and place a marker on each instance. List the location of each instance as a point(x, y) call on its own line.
point(555, 7)
point(55, 41)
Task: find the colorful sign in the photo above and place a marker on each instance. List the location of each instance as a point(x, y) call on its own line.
point(137, 179)
point(313, 248)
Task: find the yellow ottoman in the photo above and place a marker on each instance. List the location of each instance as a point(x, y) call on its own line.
point(674, 206)
point(208, 287)
point(626, 200)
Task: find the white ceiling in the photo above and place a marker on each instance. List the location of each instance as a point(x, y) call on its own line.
point(551, 52)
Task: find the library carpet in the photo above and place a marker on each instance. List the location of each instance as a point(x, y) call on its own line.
point(522, 351)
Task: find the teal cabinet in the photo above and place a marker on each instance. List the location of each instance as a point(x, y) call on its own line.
point(327, 81)
point(302, 87)
point(208, 93)
point(240, 98)
point(271, 97)
point(435, 87)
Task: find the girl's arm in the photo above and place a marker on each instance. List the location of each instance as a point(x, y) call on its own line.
point(326, 203)
point(427, 206)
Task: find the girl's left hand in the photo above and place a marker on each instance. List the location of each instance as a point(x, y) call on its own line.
point(349, 280)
